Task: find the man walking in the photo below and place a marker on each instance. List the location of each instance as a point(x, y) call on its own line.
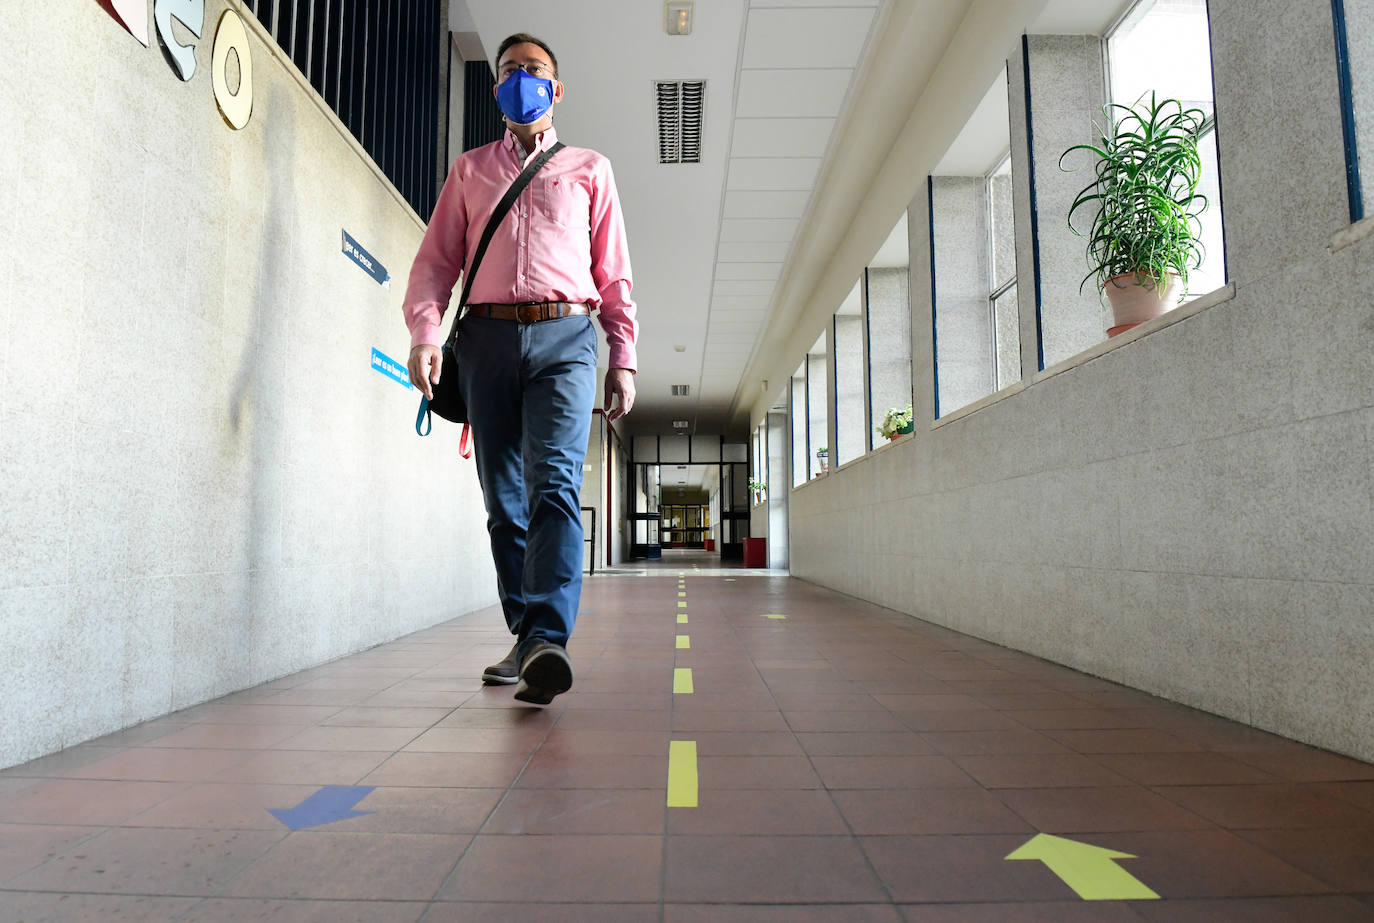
point(526, 350)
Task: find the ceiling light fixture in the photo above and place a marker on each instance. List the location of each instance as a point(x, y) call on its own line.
point(678, 17)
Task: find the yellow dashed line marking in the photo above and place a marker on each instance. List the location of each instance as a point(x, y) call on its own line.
point(682, 618)
point(681, 594)
point(681, 604)
point(775, 616)
point(682, 774)
point(682, 681)
point(684, 642)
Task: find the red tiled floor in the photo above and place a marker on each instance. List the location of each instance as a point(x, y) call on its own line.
point(767, 869)
point(236, 909)
point(84, 802)
point(853, 764)
point(891, 772)
point(444, 912)
point(150, 861)
point(1251, 806)
point(556, 869)
point(45, 907)
point(1024, 912)
point(1038, 770)
point(24, 846)
point(567, 811)
point(764, 813)
point(926, 869)
point(351, 866)
point(1343, 859)
point(1091, 810)
point(792, 913)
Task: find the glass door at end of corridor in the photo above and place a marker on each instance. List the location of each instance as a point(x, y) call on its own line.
point(684, 526)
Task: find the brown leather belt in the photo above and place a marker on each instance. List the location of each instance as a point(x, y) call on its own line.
point(529, 312)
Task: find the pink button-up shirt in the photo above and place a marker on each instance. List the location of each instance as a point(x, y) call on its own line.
point(563, 240)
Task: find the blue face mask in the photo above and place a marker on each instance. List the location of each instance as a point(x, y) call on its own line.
point(524, 99)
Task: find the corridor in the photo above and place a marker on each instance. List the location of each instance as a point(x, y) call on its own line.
point(830, 760)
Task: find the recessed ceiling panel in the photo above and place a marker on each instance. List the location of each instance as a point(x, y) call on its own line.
point(797, 173)
point(772, 137)
point(773, 229)
point(749, 203)
point(748, 270)
point(746, 251)
point(743, 288)
point(805, 37)
point(791, 93)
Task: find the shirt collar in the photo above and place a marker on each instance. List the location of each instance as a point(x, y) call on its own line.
point(542, 142)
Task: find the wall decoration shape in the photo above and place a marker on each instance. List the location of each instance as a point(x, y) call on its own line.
point(235, 105)
point(131, 14)
point(191, 14)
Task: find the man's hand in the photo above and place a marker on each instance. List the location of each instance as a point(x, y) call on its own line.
point(619, 383)
point(424, 366)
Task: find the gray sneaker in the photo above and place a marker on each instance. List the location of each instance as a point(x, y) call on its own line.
point(504, 673)
point(545, 672)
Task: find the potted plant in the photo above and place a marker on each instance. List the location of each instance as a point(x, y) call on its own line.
point(758, 487)
point(895, 423)
point(823, 458)
point(1143, 239)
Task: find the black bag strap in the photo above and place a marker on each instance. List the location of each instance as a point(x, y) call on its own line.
point(497, 216)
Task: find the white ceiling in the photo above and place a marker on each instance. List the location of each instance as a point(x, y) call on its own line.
point(709, 242)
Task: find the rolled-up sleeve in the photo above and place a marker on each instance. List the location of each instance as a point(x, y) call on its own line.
point(437, 265)
point(610, 252)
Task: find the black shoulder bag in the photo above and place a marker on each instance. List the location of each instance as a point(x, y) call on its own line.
point(448, 399)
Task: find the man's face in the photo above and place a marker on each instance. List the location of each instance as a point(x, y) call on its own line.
point(533, 60)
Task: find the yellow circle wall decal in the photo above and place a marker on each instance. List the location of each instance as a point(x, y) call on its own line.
point(235, 105)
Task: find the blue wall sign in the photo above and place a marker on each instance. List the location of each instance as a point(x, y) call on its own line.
point(370, 264)
point(391, 368)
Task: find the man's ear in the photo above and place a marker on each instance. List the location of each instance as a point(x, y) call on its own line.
point(557, 90)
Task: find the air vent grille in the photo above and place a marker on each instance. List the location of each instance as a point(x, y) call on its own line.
point(681, 390)
point(680, 104)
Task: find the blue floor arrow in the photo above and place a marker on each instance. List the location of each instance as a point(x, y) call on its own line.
point(329, 804)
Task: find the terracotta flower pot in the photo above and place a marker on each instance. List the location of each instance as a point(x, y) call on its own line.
point(1134, 300)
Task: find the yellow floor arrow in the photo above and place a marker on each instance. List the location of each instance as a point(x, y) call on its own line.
point(1090, 870)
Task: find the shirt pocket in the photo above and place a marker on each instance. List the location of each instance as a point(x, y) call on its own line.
point(563, 201)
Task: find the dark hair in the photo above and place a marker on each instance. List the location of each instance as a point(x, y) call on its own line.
point(521, 38)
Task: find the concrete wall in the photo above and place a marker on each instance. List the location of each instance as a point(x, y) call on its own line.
point(206, 484)
point(1191, 512)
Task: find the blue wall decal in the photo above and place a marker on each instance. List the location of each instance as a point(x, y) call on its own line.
point(391, 368)
point(369, 263)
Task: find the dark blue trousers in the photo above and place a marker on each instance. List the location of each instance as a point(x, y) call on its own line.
point(529, 390)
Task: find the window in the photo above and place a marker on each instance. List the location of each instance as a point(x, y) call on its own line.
point(817, 409)
point(1004, 316)
point(1164, 47)
point(851, 415)
point(887, 319)
point(977, 319)
point(797, 400)
point(382, 69)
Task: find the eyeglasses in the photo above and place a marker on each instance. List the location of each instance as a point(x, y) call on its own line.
point(533, 68)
